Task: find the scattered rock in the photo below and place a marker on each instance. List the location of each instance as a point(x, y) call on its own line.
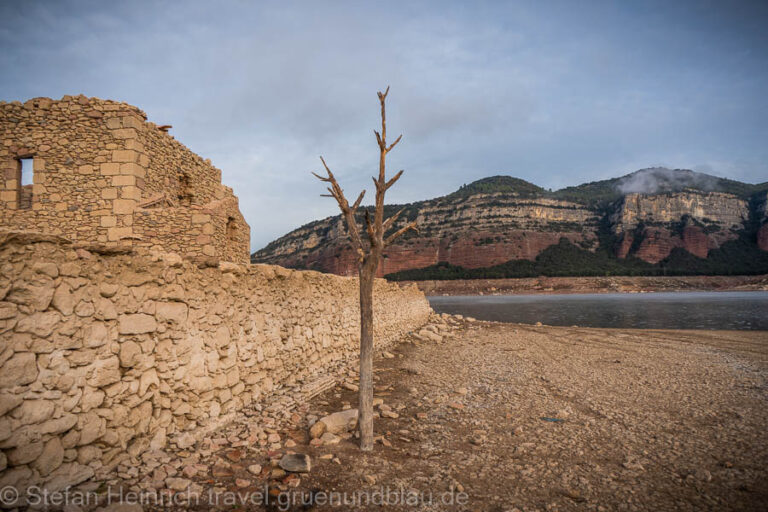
point(342, 421)
point(329, 439)
point(221, 472)
point(177, 484)
point(296, 463)
point(120, 507)
point(317, 429)
point(235, 455)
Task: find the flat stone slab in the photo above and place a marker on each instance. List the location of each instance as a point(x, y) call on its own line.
point(296, 463)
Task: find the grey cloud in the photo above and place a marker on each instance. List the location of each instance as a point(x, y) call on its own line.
point(555, 93)
point(661, 179)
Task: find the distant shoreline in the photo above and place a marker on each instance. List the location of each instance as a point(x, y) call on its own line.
point(573, 285)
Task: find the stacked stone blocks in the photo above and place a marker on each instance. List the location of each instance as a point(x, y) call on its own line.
point(104, 357)
point(104, 175)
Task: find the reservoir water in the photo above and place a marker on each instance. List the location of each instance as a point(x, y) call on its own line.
point(682, 310)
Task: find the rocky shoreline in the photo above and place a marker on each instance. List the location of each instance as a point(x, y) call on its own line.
point(617, 284)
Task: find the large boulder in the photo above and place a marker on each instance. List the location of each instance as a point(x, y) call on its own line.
point(336, 423)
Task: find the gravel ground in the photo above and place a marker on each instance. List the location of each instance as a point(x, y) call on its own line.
point(504, 417)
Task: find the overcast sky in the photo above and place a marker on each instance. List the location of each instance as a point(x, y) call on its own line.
point(557, 93)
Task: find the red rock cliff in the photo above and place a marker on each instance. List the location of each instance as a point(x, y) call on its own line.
point(479, 231)
point(482, 230)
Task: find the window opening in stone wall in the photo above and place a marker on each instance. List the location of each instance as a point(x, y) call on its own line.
point(26, 179)
point(185, 190)
point(231, 229)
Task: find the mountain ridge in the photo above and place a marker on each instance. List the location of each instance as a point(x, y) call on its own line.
point(646, 215)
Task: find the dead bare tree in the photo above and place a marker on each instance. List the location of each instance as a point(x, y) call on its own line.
point(368, 257)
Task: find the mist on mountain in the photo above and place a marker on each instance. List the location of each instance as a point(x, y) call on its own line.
point(660, 179)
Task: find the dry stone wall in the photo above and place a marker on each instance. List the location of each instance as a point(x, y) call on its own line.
point(106, 356)
point(103, 174)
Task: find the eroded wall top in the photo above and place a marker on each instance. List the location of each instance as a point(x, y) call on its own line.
point(100, 173)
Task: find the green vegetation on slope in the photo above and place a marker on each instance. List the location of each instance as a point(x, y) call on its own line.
point(737, 257)
point(655, 181)
point(499, 185)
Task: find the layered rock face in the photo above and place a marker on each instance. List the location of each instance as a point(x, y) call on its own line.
point(483, 230)
point(479, 231)
point(694, 221)
point(103, 357)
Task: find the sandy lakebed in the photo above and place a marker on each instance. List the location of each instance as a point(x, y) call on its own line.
point(481, 416)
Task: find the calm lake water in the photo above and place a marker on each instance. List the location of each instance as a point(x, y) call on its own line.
point(683, 310)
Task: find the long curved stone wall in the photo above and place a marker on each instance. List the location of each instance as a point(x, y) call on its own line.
point(105, 356)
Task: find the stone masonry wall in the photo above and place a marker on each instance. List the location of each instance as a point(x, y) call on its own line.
point(104, 175)
point(103, 357)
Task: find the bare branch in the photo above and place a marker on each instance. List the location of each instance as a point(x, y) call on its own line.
point(378, 139)
point(394, 236)
point(327, 180)
point(330, 174)
point(394, 143)
point(383, 138)
point(348, 213)
point(357, 202)
point(393, 180)
point(369, 228)
point(388, 223)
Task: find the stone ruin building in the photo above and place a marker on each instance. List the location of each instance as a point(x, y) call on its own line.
point(97, 173)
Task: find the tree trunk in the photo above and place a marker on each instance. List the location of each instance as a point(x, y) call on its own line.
point(366, 357)
point(370, 255)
